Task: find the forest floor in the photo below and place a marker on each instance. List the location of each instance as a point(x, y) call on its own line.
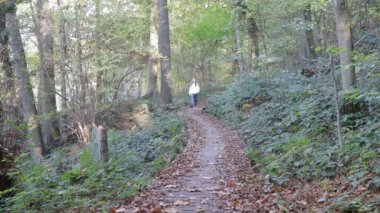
point(213, 174)
point(204, 177)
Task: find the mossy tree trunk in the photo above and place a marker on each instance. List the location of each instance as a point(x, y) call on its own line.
point(44, 33)
point(34, 135)
point(343, 31)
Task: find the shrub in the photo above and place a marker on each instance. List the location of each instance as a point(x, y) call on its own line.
point(78, 181)
point(291, 132)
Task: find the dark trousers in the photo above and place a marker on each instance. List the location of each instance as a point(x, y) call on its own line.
point(194, 99)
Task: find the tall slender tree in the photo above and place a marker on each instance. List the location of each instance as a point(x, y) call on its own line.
point(164, 48)
point(62, 68)
point(44, 29)
point(343, 31)
point(35, 142)
point(78, 55)
point(253, 32)
point(99, 74)
point(9, 100)
point(152, 89)
point(310, 46)
point(239, 41)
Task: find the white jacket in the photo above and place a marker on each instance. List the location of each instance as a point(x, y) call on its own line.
point(194, 89)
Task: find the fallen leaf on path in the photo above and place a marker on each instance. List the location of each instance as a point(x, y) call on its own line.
point(321, 200)
point(302, 202)
point(156, 209)
point(119, 210)
point(207, 177)
point(171, 186)
point(170, 210)
point(201, 210)
point(362, 188)
point(162, 204)
point(181, 203)
point(213, 188)
point(192, 190)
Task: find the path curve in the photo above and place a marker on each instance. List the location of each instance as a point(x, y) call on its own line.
point(205, 176)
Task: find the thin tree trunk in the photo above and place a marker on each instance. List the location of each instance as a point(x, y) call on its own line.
point(78, 57)
point(83, 125)
point(239, 42)
point(235, 62)
point(62, 67)
point(9, 100)
point(164, 48)
point(336, 90)
point(373, 18)
point(139, 84)
point(325, 35)
point(253, 31)
point(99, 74)
point(152, 90)
point(46, 43)
point(35, 142)
point(310, 46)
point(343, 30)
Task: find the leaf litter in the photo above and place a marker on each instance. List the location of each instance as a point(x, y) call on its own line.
point(213, 174)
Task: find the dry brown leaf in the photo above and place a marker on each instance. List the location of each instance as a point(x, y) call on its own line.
point(362, 188)
point(200, 210)
point(171, 186)
point(156, 209)
point(141, 211)
point(170, 210)
point(192, 190)
point(120, 210)
point(181, 203)
point(213, 188)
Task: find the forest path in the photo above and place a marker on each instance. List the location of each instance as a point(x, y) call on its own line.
point(205, 176)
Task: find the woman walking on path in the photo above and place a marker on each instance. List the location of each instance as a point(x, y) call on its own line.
point(193, 92)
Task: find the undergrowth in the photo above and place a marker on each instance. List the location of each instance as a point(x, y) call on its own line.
point(288, 123)
point(73, 179)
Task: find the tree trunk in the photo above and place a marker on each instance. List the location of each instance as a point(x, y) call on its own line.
point(152, 90)
point(310, 46)
point(343, 30)
point(62, 68)
point(373, 18)
point(103, 144)
point(235, 61)
point(336, 100)
point(9, 98)
point(253, 31)
point(164, 48)
point(46, 43)
point(35, 142)
point(239, 42)
point(99, 74)
point(78, 57)
point(84, 128)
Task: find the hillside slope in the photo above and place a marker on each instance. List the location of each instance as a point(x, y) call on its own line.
point(288, 122)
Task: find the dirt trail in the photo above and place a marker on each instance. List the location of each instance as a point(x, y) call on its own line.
point(204, 177)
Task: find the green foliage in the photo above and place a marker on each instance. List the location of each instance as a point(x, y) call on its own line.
point(67, 181)
point(288, 123)
point(211, 25)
